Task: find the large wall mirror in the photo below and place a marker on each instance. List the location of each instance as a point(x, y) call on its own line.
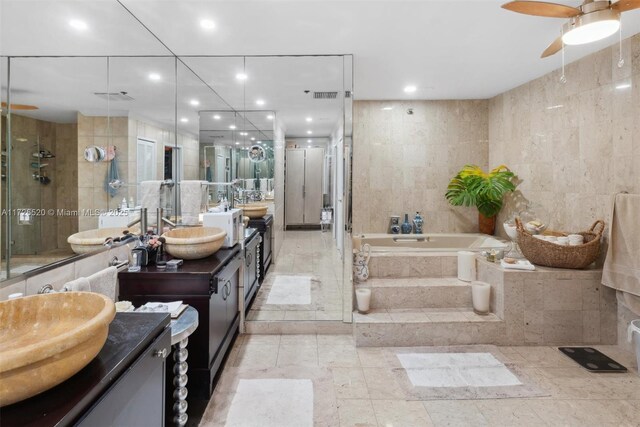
point(92, 141)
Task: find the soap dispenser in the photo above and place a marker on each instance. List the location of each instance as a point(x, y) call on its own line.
point(406, 226)
point(417, 223)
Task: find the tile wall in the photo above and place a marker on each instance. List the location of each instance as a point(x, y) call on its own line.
point(403, 162)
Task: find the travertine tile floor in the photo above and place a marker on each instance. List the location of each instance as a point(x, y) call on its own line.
point(355, 387)
point(304, 255)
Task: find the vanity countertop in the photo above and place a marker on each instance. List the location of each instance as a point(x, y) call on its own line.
point(249, 233)
point(211, 264)
point(129, 335)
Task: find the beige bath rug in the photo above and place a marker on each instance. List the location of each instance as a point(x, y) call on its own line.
point(460, 372)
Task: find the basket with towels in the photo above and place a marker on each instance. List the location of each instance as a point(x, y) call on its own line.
point(549, 254)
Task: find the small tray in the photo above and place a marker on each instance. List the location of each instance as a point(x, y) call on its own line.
point(179, 311)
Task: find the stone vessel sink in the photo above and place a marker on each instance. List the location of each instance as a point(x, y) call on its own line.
point(46, 339)
point(253, 210)
point(92, 240)
point(194, 242)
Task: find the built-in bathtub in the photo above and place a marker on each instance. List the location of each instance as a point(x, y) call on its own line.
point(422, 255)
point(434, 242)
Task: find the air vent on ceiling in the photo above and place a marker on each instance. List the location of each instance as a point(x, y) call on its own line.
point(325, 95)
point(113, 96)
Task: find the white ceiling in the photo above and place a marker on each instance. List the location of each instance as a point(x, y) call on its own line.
point(452, 49)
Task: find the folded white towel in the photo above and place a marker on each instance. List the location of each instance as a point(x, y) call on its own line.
point(519, 265)
point(104, 282)
point(81, 284)
point(150, 198)
point(192, 195)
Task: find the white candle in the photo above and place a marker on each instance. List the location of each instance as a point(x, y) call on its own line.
point(466, 266)
point(481, 296)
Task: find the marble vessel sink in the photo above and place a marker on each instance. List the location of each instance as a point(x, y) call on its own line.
point(253, 210)
point(92, 240)
point(194, 242)
point(46, 339)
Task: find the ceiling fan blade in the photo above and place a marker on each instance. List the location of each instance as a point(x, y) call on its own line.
point(625, 5)
point(540, 8)
point(19, 106)
point(553, 48)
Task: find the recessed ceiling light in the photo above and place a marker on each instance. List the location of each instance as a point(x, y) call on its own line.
point(308, 140)
point(78, 24)
point(237, 142)
point(194, 102)
point(259, 101)
point(154, 77)
point(244, 133)
point(387, 108)
point(216, 117)
point(309, 119)
point(207, 24)
point(184, 120)
point(270, 117)
point(241, 76)
point(623, 86)
point(259, 142)
point(232, 127)
point(309, 132)
point(252, 138)
point(410, 89)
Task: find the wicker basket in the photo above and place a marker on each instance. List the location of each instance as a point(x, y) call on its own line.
point(549, 254)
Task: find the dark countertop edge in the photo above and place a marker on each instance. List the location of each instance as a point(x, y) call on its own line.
point(254, 232)
point(91, 397)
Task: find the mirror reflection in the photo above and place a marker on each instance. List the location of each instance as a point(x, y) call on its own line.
point(100, 150)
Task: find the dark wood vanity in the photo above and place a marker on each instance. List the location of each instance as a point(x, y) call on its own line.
point(265, 227)
point(210, 285)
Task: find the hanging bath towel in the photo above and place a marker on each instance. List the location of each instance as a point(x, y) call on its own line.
point(112, 176)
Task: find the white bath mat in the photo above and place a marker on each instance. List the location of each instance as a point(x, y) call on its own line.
point(459, 372)
point(456, 370)
point(272, 403)
point(295, 290)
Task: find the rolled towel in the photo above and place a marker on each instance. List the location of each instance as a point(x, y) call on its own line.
point(81, 284)
point(104, 282)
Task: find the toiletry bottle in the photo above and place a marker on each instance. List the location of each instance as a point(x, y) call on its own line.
point(123, 205)
point(131, 203)
point(406, 226)
point(417, 223)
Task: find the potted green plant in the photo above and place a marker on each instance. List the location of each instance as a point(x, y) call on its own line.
point(474, 187)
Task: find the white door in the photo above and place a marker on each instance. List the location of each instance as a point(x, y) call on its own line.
point(294, 187)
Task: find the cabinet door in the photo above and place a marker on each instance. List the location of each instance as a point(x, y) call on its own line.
point(217, 321)
point(232, 298)
point(314, 163)
point(138, 397)
point(294, 187)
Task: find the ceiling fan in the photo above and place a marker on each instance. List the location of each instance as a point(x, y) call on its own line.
point(593, 20)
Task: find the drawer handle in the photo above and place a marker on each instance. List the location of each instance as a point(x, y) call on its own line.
point(161, 353)
point(249, 259)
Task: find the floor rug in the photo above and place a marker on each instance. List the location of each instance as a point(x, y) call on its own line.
point(290, 290)
point(460, 372)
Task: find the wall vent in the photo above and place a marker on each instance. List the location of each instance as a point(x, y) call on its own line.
point(113, 96)
point(325, 95)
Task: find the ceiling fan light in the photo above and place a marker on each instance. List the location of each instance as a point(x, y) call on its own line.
point(591, 27)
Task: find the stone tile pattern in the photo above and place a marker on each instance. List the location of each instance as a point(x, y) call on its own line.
point(419, 264)
point(123, 133)
point(402, 163)
point(547, 306)
point(49, 232)
point(551, 306)
point(572, 145)
point(366, 393)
